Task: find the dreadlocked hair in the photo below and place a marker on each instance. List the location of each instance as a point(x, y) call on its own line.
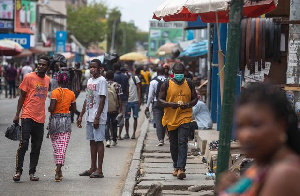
point(272, 96)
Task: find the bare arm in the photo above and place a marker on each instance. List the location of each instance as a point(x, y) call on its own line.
point(81, 115)
point(99, 111)
point(52, 105)
point(120, 104)
point(139, 92)
point(162, 99)
point(193, 98)
point(73, 107)
point(20, 105)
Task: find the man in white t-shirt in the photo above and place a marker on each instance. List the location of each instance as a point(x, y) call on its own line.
point(26, 70)
point(96, 106)
point(134, 102)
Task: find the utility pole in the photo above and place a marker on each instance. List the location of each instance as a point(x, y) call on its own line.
point(293, 69)
point(208, 65)
point(112, 46)
point(232, 60)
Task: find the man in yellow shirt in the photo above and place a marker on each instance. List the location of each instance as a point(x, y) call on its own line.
point(178, 96)
point(145, 83)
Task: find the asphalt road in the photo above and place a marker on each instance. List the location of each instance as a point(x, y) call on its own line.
point(116, 162)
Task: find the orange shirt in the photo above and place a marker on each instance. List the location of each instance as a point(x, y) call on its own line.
point(147, 76)
point(64, 97)
point(36, 89)
point(173, 118)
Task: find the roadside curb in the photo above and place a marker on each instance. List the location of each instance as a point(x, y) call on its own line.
point(130, 181)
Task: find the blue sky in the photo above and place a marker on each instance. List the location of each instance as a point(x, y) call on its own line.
point(140, 11)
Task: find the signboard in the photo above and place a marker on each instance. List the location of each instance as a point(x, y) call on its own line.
point(25, 15)
point(6, 9)
point(6, 24)
point(163, 32)
point(22, 39)
point(61, 39)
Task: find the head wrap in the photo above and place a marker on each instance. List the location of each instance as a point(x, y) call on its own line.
point(63, 77)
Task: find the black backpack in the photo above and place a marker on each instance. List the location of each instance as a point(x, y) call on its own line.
point(13, 132)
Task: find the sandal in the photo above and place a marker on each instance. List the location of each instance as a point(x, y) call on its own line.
point(33, 177)
point(120, 138)
point(133, 137)
point(96, 175)
point(17, 177)
point(85, 173)
point(57, 178)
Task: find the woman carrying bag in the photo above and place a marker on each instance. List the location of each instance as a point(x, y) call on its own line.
point(62, 101)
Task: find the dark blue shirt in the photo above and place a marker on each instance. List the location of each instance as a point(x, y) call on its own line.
point(123, 81)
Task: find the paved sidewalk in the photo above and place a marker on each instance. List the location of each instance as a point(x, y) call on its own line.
point(156, 166)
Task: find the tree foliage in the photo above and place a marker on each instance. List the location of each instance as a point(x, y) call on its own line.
point(90, 24)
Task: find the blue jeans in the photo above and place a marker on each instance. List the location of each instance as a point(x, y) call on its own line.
point(179, 145)
point(135, 110)
point(111, 120)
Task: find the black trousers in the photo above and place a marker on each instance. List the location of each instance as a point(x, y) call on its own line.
point(12, 88)
point(36, 130)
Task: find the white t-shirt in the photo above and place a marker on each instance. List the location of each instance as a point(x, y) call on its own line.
point(26, 69)
point(95, 88)
point(133, 93)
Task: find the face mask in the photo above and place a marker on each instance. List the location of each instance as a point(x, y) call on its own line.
point(178, 77)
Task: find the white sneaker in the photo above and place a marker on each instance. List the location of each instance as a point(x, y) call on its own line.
point(114, 143)
point(108, 143)
point(160, 143)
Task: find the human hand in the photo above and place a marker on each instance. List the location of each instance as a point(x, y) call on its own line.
point(183, 106)
point(96, 123)
point(174, 105)
point(79, 120)
point(16, 119)
point(139, 102)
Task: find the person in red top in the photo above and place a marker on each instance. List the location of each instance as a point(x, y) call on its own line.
point(34, 89)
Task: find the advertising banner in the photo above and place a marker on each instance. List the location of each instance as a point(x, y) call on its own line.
point(6, 24)
point(6, 9)
point(22, 39)
point(163, 32)
point(61, 39)
point(25, 14)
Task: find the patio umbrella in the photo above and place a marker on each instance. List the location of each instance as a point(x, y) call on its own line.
point(9, 48)
point(210, 11)
point(133, 56)
point(166, 49)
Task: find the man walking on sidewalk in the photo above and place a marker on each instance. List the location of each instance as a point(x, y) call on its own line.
point(158, 111)
point(178, 96)
point(34, 89)
point(96, 107)
point(134, 103)
point(122, 79)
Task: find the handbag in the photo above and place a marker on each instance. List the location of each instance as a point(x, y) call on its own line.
point(13, 132)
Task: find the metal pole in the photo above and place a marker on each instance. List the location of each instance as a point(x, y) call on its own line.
point(232, 60)
point(293, 68)
point(208, 65)
point(112, 46)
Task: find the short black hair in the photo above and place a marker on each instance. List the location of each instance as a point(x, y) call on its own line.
point(97, 61)
point(272, 96)
point(46, 58)
point(109, 75)
point(116, 66)
point(179, 66)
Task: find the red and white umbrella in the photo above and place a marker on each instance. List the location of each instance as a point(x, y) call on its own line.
point(10, 48)
point(209, 10)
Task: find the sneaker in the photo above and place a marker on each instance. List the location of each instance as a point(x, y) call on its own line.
point(160, 143)
point(107, 143)
point(126, 136)
point(181, 174)
point(175, 172)
point(114, 143)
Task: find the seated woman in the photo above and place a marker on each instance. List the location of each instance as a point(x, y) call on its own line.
point(201, 114)
point(60, 120)
point(268, 133)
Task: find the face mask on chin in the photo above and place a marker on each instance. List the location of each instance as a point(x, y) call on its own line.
point(179, 77)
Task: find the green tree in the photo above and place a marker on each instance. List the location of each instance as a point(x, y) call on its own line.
point(88, 23)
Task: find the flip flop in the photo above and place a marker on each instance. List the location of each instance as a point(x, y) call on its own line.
point(17, 177)
point(85, 173)
point(96, 175)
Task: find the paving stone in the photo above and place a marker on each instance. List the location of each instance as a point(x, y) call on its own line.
point(160, 155)
point(141, 192)
point(196, 160)
point(170, 170)
point(178, 184)
point(168, 177)
point(168, 165)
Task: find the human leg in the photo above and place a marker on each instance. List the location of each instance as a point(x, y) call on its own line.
point(127, 116)
point(100, 151)
point(183, 133)
point(135, 109)
point(158, 115)
point(174, 146)
point(37, 136)
point(114, 126)
point(23, 145)
point(10, 88)
point(107, 127)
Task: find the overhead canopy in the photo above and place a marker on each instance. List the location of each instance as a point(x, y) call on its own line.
point(195, 49)
point(189, 10)
point(198, 24)
point(133, 56)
